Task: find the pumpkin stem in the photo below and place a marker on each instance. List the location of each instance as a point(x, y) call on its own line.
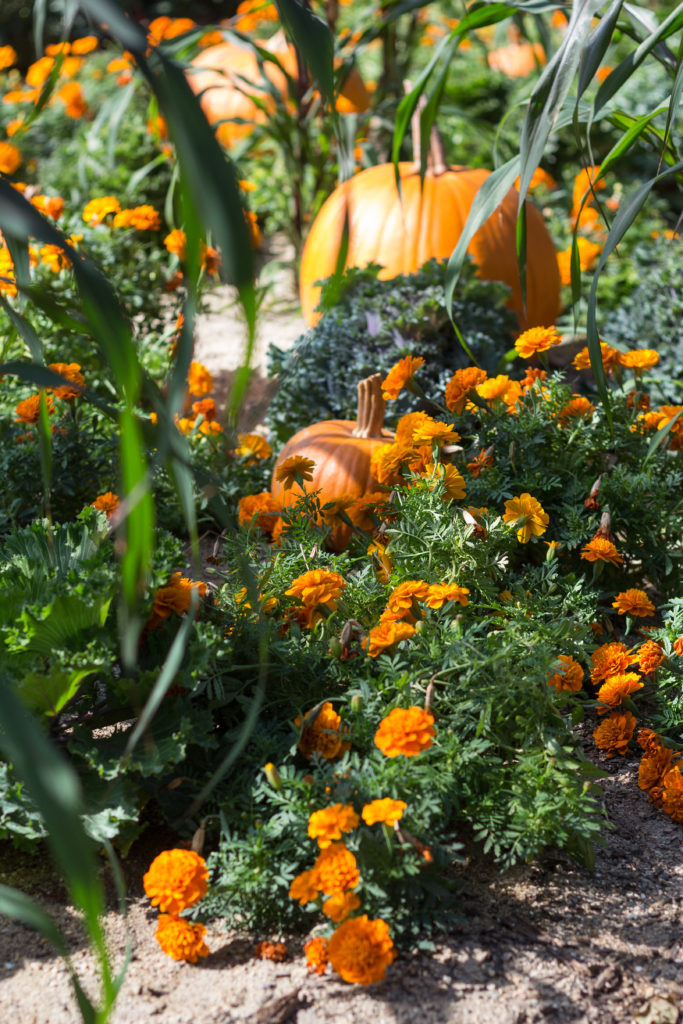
point(370, 417)
point(436, 161)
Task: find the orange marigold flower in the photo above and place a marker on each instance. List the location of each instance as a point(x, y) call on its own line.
point(164, 27)
point(317, 587)
point(176, 880)
point(72, 97)
point(386, 634)
point(429, 431)
point(262, 505)
point(578, 407)
point(539, 177)
point(614, 734)
point(400, 376)
point(387, 811)
point(599, 549)
point(639, 358)
point(176, 242)
point(400, 604)
point(678, 646)
point(276, 951)
point(535, 340)
point(205, 407)
point(28, 411)
point(611, 357)
point(210, 259)
point(143, 218)
point(616, 687)
point(10, 158)
point(648, 740)
point(585, 183)
point(494, 388)
point(439, 593)
point(176, 597)
point(54, 257)
point(199, 380)
point(610, 659)
point(295, 469)
point(460, 385)
point(316, 954)
point(330, 822)
point(406, 731)
point(51, 206)
point(253, 448)
point(339, 906)
point(479, 463)
point(650, 657)
point(666, 413)
point(672, 795)
point(633, 602)
point(571, 676)
point(360, 950)
point(528, 515)
point(97, 210)
point(588, 256)
point(181, 939)
point(303, 888)
point(406, 426)
point(107, 503)
point(8, 57)
point(654, 765)
point(324, 736)
point(335, 870)
point(84, 45)
point(72, 373)
point(532, 374)
point(386, 462)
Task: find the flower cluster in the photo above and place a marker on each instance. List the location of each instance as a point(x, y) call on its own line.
point(176, 597)
point(177, 880)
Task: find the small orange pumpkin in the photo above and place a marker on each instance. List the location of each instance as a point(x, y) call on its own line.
point(341, 451)
point(425, 222)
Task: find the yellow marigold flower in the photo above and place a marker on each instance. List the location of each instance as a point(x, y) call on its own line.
point(650, 657)
point(639, 358)
point(253, 448)
point(578, 407)
point(72, 373)
point(599, 549)
point(633, 602)
point(39, 71)
point(611, 357)
point(339, 906)
point(430, 431)
point(199, 380)
point(10, 158)
point(654, 765)
point(666, 413)
point(400, 376)
point(479, 463)
point(84, 45)
point(330, 822)
point(535, 340)
point(528, 515)
point(609, 660)
point(54, 257)
point(494, 388)
point(296, 466)
point(97, 210)
point(316, 587)
point(571, 676)
point(324, 736)
point(439, 593)
point(360, 950)
point(386, 461)
point(143, 218)
point(8, 57)
point(28, 411)
point(383, 561)
point(387, 811)
point(176, 597)
point(107, 503)
point(614, 734)
point(335, 870)
point(387, 634)
point(616, 687)
point(263, 505)
point(303, 888)
point(181, 939)
point(316, 954)
point(454, 486)
point(406, 731)
point(460, 385)
point(582, 185)
point(672, 794)
point(176, 880)
point(176, 242)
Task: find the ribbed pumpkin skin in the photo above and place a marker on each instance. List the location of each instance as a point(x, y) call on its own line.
point(342, 466)
point(402, 234)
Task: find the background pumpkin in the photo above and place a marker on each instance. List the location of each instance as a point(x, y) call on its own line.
point(401, 234)
point(341, 451)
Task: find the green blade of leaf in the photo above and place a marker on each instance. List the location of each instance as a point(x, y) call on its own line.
point(313, 39)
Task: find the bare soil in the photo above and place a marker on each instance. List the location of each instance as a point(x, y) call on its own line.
point(546, 942)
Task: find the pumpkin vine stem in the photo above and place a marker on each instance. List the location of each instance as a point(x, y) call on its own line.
point(370, 416)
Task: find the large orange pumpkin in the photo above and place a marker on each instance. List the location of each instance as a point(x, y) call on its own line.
point(341, 451)
point(426, 222)
point(225, 74)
